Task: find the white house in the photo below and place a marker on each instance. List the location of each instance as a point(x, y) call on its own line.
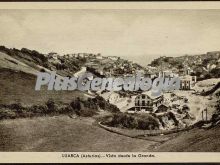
point(146, 103)
point(186, 82)
point(114, 58)
point(53, 55)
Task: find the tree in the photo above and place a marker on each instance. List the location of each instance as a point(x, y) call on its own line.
point(51, 105)
point(215, 72)
point(218, 106)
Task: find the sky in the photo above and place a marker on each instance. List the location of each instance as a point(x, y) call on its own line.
point(139, 35)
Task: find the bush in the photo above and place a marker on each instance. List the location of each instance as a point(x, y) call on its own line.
point(76, 105)
point(217, 106)
point(218, 94)
point(40, 109)
point(103, 104)
point(42, 70)
point(16, 106)
point(67, 109)
point(173, 117)
point(144, 122)
point(142, 125)
point(215, 117)
point(87, 112)
point(51, 106)
point(86, 108)
point(131, 122)
point(92, 104)
point(7, 114)
point(215, 72)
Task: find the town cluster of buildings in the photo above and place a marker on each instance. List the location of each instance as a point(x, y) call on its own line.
point(104, 65)
point(145, 102)
point(186, 80)
point(113, 66)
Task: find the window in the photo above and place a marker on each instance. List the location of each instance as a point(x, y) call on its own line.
point(143, 96)
point(143, 102)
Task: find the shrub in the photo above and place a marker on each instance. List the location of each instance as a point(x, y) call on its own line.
point(215, 72)
point(85, 108)
point(173, 117)
point(16, 106)
point(76, 105)
point(218, 94)
point(217, 106)
point(51, 106)
point(87, 112)
point(7, 114)
point(67, 109)
point(103, 104)
point(42, 70)
point(130, 122)
point(144, 122)
point(116, 120)
point(215, 117)
point(38, 109)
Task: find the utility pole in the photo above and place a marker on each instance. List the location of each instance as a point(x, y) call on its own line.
point(205, 115)
point(202, 116)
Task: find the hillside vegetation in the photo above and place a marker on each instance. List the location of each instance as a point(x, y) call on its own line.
point(133, 121)
point(39, 61)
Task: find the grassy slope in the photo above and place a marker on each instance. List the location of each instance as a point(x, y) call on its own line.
point(63, 134)
point(196, 140)
point(19, 87)
point(53, 133)
point(9, 62)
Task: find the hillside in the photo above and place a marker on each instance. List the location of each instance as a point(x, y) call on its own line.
point(204, 66)
point(41, 62)
point(68, 64)
point(18, 69)
point(18, 87)
point(81, 134)
point(195, 140)
point(63, 134)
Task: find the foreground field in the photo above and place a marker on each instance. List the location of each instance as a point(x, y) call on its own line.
point(65, 134)
point(62, 133)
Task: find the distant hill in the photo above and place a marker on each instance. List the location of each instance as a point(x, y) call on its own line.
point(68, 64)
point(42, 62)
point(18, 70)
point(203, 66)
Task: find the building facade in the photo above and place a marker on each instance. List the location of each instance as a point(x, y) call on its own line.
point(186, 82)
point(147, 103)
